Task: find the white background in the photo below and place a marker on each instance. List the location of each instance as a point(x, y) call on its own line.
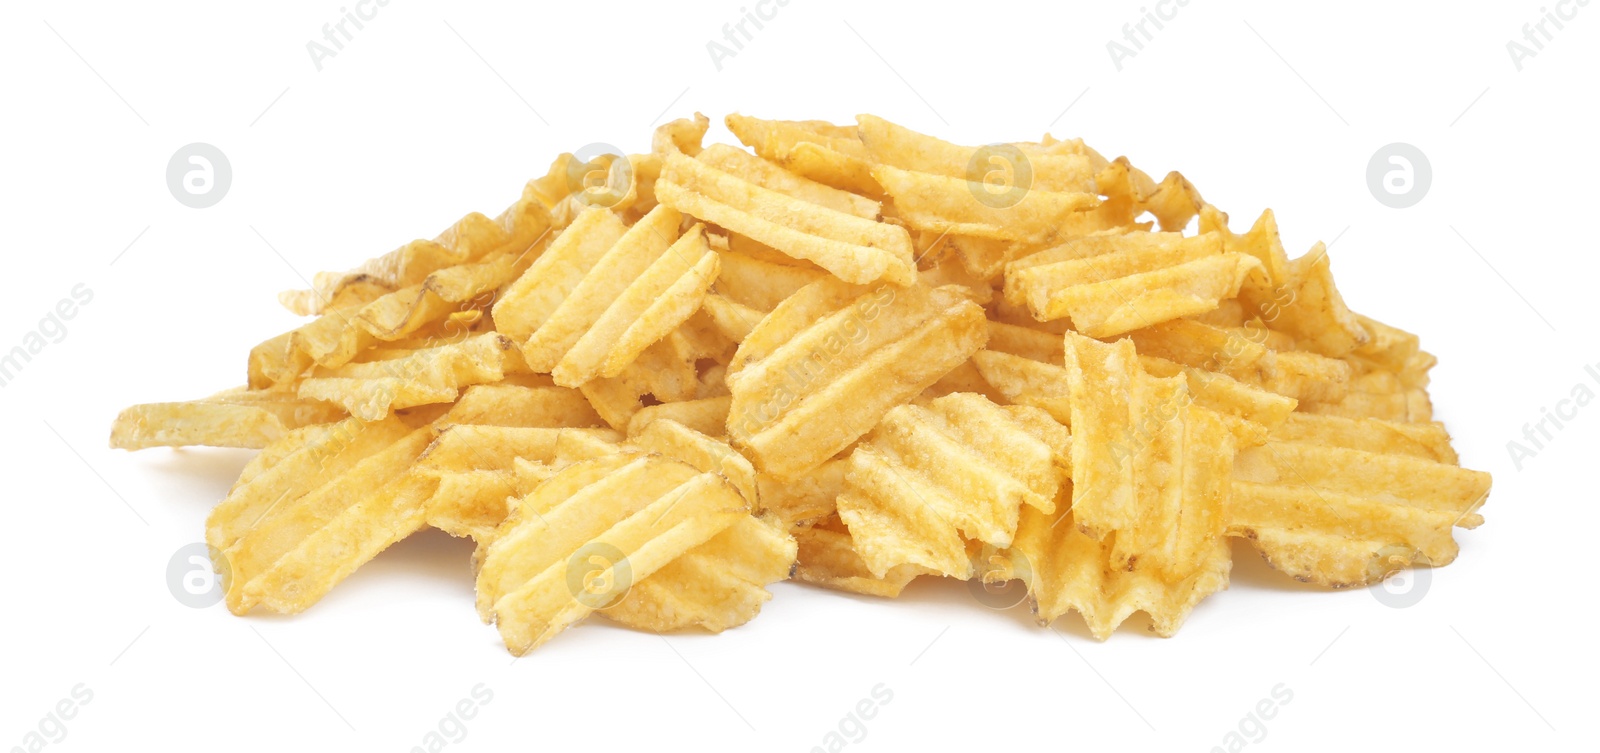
point(435, 110)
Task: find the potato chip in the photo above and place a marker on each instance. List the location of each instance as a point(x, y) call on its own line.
point(770, 176)
point(475, 467)
point(661, 298)
point(826, 153)
point(705, 453)
point(834, 345)
point(342, 336)
point(964, 378)
point(1113, 284)
point(628, 519)
point(1067, 570)
point(1150, 468)
point(1308, 377)
point(827, 557)
point(304, 460)
point(449, 290)
point(733, 319)
point(233, 418)
point(507, 404)
point(761, 284)
point(594, 310)
point(535, 296)
point(682, 135)
point(1298, 297)
point(1313, 311)
point(1208, 348)
point(856, 249)
point(1025, 381)
point(715, 586)
point(805, 499)
point(1342, 502)
point(1250, 412)
point(960, 206)
point(708, 415)
point(465, 447)
point(903, 148)
point(471, 238)
point(290, 553)
point(370, 390)
point(667, 371)
point(468, 504)
point(927, 479)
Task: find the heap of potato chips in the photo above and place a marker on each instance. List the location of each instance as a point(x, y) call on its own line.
point(657, 383)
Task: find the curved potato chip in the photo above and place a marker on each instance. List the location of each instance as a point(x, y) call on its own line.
point(834, 345)
point(929, 478)
point(625, 518)
point(854, 248)
point(235, 418)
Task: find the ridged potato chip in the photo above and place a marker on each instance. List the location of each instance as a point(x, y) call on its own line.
point(929, 479)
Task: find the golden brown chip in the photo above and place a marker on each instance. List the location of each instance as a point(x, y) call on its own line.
point(827, 557)
point(1150, 468)
point(507, 404)
point(234, 418)
point(807, 498)
point(1334, 501)
point(370, 390)
point(827, 364)
point(928, 479)
point(583, 537)
point(319, 525)
point(1113, 284)
point(705, 453)
point(715, 586)
point(1066, 570)
point(856, 249)
point(473, 237)
point(708, 416)
point(826, 153)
